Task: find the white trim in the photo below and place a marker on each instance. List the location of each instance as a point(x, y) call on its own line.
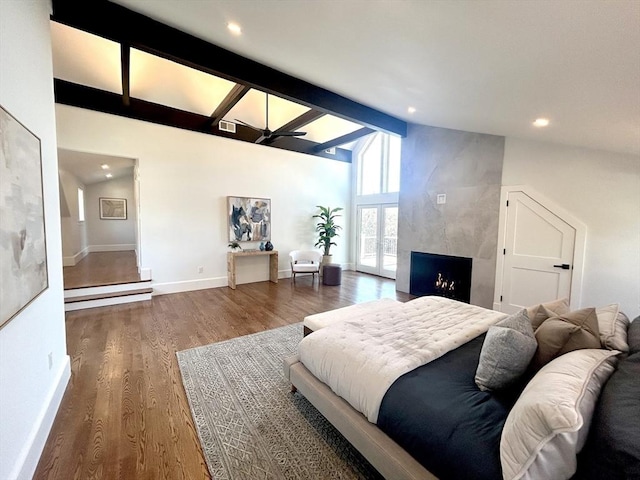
point(118, 287)
point(565, 215)
point(28, 459)
point(105, 302)
point(112, 248)
point(74, 259)
point(145, 273)
point(189, 285)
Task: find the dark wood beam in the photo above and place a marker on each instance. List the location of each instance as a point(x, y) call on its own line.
point(125, 67)
point(68, 93)
point(349, 137)
point(120, 24)
point(233, 97)
point(305, 119)
point(298, 122)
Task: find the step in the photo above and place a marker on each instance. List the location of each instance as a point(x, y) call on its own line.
point(106, 289)
point(105, 295)
point(98, 296)
point(107, 301)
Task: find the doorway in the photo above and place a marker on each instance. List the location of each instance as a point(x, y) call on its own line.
point(542, 252)
point(98, 199)
point(377, 239)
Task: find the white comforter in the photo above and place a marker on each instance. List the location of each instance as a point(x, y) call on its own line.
point(360, 358)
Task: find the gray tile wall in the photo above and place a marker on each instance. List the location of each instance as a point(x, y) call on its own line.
point(467, 167)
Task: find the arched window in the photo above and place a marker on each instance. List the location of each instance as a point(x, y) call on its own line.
point(379, 165)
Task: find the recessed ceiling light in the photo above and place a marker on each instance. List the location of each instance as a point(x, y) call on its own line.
point(411, 109)
point(104, 166)
point(234, 28)
point(108, 175)
point(541, 122)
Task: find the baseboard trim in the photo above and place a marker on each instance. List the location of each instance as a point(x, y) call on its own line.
point(26, 466)
point(74, 259)
point(188, 285)
point(112, 248)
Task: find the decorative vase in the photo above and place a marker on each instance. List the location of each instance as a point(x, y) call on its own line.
point(268, 246)
point(262, 246)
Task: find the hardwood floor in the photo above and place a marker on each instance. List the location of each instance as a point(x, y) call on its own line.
point(102, 268)
point(125, 414)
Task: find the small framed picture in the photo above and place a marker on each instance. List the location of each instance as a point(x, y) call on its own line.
point(113, 208)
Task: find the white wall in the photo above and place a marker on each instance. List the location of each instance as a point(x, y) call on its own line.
point(602, 189)
point(30, 390)
point(111, 234)
point(74, 232)
point(184, 179)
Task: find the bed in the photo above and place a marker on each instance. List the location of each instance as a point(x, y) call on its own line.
point(431, 420)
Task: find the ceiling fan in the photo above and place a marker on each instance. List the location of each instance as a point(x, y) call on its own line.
point(267, 134)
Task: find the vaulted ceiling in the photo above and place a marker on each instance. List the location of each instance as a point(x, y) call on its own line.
point(490, 66)
point(111, 59)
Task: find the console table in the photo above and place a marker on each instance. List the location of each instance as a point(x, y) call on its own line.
point(231, 264)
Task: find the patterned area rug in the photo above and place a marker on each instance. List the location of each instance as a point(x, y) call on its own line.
point(250, 424)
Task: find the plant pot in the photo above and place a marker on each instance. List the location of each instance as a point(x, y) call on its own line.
point(326, 260)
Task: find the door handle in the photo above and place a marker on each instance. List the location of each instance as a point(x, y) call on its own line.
point(564, 266)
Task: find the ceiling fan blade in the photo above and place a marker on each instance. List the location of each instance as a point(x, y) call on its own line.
point(262, 138)
point(289, 134)
point(247, 125)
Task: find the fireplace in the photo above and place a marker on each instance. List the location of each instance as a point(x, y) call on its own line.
point(442, 275)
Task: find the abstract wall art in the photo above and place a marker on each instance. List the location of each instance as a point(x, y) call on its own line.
point(249, 219)
point(113, 208)
point(23, 250)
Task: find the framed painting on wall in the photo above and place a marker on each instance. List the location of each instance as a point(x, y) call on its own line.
point(249, 219)
point(23, 250)
point(113, 208)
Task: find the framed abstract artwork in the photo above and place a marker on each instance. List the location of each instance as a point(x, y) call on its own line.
point(113, 208)
point(249, 219)
point(23, 249)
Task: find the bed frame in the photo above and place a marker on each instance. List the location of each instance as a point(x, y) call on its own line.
point(391, 460)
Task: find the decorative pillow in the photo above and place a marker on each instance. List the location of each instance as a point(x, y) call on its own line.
point(506, 352)
point(539, 313)
point(559, 335)
point(549, 423)
point(613, 325)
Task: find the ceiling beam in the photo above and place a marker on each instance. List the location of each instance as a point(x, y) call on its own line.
point(233, 97)
point(68, 93)
point(125, 68)
point(120, 24)
point(305, 119)
point(298, 122)
point(348, 138)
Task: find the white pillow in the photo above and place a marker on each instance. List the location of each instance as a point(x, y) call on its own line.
point(613, 326)
point(549, 423)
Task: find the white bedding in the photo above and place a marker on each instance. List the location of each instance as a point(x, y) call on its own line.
point(360, 358)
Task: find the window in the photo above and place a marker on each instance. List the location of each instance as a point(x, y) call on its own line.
point(379, 165)
point(80, 204)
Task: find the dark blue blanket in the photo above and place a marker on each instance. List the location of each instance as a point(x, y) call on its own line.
point(437, 413)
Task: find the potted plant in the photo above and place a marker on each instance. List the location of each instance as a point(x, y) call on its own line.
point(327, 230)
point(234, 245)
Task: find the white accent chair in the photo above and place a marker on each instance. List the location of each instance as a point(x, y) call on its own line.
point(305, 261)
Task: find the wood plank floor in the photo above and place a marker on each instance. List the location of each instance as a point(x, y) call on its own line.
point(102, 268)
point(125, 414)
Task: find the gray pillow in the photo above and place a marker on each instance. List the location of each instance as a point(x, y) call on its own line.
point(506, 352)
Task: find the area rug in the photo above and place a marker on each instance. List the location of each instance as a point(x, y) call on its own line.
point(250, 424)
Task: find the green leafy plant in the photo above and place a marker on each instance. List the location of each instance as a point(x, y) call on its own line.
point(234, 245)
point(326, 227)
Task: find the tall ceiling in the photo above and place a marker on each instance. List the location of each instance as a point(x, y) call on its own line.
point(490, 66)
point(341, 69)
